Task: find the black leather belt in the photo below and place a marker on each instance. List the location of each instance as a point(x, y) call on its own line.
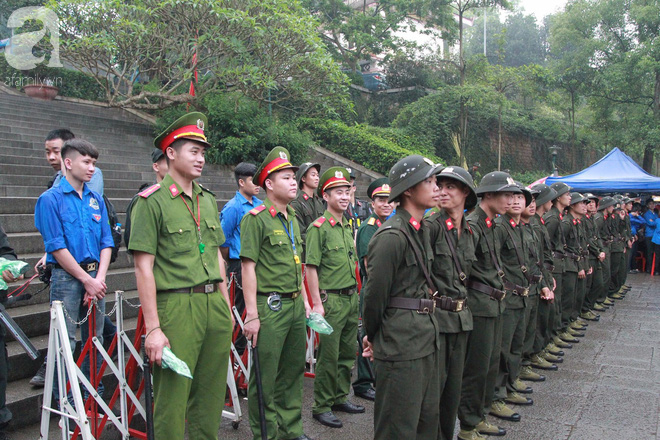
point(534, 279)
point(449, 304)
point(575, 257)
point(559, 255)
point(347, 291)
point(422, 306)
point(290, 295)
point(549, 266)
point(516, 289)
point(201, 288)
point(495, 294)
point(87, 267)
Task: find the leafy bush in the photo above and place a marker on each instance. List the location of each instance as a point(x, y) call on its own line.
point(359, 143)
point(240, 130)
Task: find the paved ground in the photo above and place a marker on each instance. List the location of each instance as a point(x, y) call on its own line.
point(607, 388)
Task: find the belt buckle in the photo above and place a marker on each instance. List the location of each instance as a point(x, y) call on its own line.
point(523, 268)
point(91, 267)
point(460, 303)
point(274, 302)
point(578, 258)
point(503, 295)
point(208, 288)
point(525, 292)
point(500, 273)
point(324, 296)
point(426, 309)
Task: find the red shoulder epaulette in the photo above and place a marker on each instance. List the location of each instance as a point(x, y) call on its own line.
point(319, 221)
point(149, 191)
point(257, 210)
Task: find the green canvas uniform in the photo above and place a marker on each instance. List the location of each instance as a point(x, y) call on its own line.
point(595, 280)
point(198, 325)
point(364, 381)
point(557, 236)
point(405, 342)
point(484, 342)
point(330, 249)
point(543, 333)
point(617, 253)
point(603, 228)
point(266, 239)
point(581, 288)
point(307, 210)
point(454, 326)
point(570, 279)
point(514, 243)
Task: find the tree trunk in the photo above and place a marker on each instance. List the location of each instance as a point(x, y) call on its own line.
point(649, 151)
point(499, 138)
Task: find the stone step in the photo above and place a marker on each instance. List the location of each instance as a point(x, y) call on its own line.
point(111, 193)
point(38, 129)
point(109, 145)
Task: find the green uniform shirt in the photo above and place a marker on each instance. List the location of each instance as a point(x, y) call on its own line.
point(364, 234)
point(393, 271)
point(556, 233)
point(584, 245)
point(163, 226)
point(535, 254)
point(602, 229)
point(444, 273)
point(483, 268)
point(509, 257)
point(307, 210)
point(266, 239)
point(538, 226)
point(593, 240)
point(573, 245)
point(617, 227)
point(330, 249)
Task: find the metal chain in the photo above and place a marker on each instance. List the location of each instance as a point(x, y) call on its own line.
point(111, 312)
point(89, 311)
point(234, 279)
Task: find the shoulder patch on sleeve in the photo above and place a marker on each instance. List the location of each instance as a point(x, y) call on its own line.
point(149, 191)
point(372, 221)
point(319, 221)
point(257, 210)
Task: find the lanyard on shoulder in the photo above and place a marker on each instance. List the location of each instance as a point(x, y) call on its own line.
point(289, 233)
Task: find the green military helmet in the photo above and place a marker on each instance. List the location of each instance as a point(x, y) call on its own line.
point(303, 170)
point(461, 175)
point(497, 181)
point(351, 173)
point(590, 196)
point(333, 177)
point(277, 160)
point(526, 192)
point(408, 172)
point(606, 202)
point(545, 193)
point(189, 126)
point(379, 188)
point(156, 155)
point(576, 197)
point(560, 188)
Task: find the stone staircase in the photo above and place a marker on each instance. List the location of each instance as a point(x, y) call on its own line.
point(125, 142)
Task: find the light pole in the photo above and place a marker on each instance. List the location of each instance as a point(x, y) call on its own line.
point(554, 150)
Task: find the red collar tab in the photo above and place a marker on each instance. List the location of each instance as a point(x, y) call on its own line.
point(561, 216)
point(542, 221)
point(257, 210)
point(579, 222)
point(174, 190)
point(450, 224)
point(332, 221)
point(588, 216)
point(415, 224)
point(489, 222)
point(305, 196)
point(272, 211)
point(470, 229)
point(378, 223)
point(512, 223)
point(575, 222)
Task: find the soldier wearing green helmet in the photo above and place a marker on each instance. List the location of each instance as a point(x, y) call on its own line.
point(401, 328)
point(602, 219)
point(307, 204)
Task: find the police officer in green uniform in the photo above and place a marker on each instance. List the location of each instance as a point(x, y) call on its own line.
point(401, 328)
point(330, 268)
point(307, 204)
point(275, 300)
point(175, 240)
point(379, 192)
point(557, 233)
point(514, 252)
point(453, 255)
point(486, 294)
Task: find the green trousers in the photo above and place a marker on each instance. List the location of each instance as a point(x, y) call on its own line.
point(580, 293)
point(594, 285)
point(531, 319)
point(480, 372)
point(365, 380)
point(336, 354)
point(450, 381)
point(618, 260)
point(568, 294)
point(407, 399)
point(555, 317)
point(281, 342)
point(513, 338)
point(605, 266)
point(198, 326)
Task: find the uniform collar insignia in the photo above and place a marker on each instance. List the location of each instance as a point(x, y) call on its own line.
point(415, 224)
point(512, 223)
point(272, 211)
point(332, 221)
point(605, 216)
point(542, 221)
point(450, 224)
point(174, 190)
point(378, 223)
point(561, 216)
point(489, 222)
point(575, 222)
point(305, 196)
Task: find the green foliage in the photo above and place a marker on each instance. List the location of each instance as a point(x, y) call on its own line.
point(371, 147)
point(71, 83)
point(530, 176)
point(241, 130)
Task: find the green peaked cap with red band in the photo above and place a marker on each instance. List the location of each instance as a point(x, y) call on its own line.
point(332, 178)
point(277, 160)
point(189, 126)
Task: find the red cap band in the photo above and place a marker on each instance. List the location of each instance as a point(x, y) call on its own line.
point(187, 131)
point(275, 165)
point(335, 181)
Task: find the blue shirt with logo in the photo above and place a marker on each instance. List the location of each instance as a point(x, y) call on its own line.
point(230, 219)
point(67, 221)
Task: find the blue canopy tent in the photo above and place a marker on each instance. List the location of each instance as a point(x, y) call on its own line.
point(615, 172)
